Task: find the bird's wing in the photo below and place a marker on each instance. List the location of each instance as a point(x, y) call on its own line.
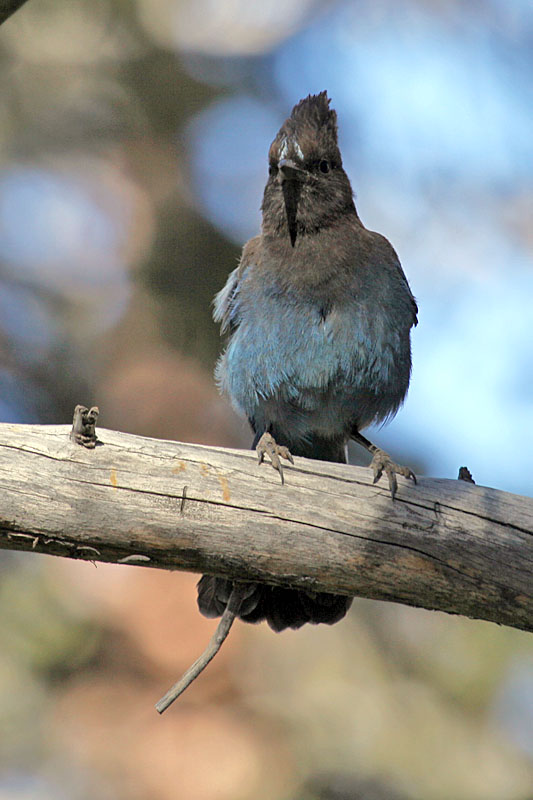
point(401, 273)
point(226, 303)
point(389, 253)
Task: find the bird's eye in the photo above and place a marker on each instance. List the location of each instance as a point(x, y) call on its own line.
point(272, 170)
point(324, 166)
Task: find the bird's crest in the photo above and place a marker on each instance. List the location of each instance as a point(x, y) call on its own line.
point(314, 111)
point(310, 130)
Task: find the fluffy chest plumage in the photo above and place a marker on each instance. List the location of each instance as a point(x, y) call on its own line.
point(288, 349)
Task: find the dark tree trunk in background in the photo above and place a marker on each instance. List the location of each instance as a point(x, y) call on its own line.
point(8, 7)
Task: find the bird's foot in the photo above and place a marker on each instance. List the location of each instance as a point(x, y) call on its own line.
point(383, 463)
point(267, 445)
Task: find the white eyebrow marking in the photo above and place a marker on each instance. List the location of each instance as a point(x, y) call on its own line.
point(284, 149)
point(298, 149)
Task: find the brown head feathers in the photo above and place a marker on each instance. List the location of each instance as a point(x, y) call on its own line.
point(310, 132)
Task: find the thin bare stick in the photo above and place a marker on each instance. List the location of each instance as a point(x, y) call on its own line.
point(215, 643)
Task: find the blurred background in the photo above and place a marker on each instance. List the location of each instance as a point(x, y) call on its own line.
point(133, 153)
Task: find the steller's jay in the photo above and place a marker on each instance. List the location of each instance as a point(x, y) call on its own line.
point(319, 314)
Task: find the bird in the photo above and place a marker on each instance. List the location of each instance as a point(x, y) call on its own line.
point(318, 315)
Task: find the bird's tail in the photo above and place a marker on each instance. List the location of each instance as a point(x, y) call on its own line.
point(281, 608)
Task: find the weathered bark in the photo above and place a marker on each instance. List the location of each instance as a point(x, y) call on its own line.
point(442, 544)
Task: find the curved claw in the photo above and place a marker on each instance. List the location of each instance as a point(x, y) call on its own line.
point(267, 445)
point(382, 462)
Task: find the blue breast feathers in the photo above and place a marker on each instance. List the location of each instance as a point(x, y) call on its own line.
point(290, 351)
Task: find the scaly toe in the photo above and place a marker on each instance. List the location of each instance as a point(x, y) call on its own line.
point(267, 445)
point(382, 462)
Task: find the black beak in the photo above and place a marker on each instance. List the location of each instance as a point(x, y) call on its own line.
point(289, 177)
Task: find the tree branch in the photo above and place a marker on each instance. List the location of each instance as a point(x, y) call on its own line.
point(8, 7)
point(443, 544)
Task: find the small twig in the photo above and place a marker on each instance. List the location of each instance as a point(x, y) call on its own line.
point(83, 426)
point(465, 475)
point(223, 628)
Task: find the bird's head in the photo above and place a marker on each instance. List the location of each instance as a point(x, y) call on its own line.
point(307, 187)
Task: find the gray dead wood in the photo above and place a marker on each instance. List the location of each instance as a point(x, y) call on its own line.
point(444, 544)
